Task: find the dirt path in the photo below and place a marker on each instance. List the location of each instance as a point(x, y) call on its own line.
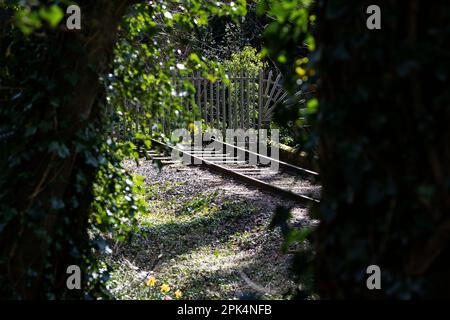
point(204, 235)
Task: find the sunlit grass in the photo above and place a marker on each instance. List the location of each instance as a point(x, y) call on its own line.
point(205, 246)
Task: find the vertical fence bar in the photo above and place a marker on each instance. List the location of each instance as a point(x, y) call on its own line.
point(224, 110)
point(205, 97)
point(254, 100)
point(247, 104)
point(243, 95)
point(218, 104)
point(230, 104)
point(235, 102)
point(260, 98)
point(199, 100)
point(211, 104)
point(242, 100)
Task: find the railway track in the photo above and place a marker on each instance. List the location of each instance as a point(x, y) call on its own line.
point(288, 181)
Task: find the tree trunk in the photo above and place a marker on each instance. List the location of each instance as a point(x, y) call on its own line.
point(48, 192)
point(384, 149)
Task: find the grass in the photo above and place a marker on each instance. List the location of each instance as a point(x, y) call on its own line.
point(202, 244)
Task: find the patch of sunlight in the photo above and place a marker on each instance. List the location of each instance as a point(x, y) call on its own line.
point(209, 259)
point(161, 212)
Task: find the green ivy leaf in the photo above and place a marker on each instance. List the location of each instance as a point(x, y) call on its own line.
point(52, 15)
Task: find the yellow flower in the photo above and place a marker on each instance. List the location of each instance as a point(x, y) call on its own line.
point(193, 128)
point(178, 294)
point(300, 71)
point(165, 288)
point(151, 281)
